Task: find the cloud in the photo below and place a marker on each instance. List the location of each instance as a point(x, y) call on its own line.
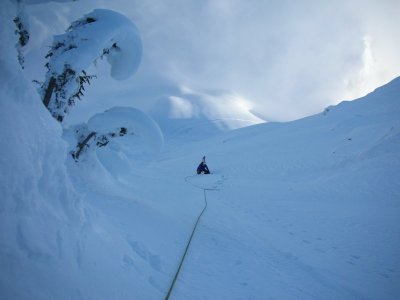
point(380, 61)
point(289, 59)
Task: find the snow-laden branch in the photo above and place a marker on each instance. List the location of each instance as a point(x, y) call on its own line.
point(101, 33)
point(21, 21)
point(139, 130)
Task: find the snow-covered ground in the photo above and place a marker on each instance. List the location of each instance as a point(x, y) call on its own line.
point(305, 210)
point(302, 210)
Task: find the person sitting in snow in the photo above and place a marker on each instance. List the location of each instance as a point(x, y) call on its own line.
point(202, 168)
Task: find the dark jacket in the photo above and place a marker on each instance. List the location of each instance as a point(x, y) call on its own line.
point(202, 168)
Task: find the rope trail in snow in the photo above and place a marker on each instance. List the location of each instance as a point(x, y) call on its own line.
point(191, 235)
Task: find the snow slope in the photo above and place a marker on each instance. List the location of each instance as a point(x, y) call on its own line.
point(301, 210)
point(306, 210)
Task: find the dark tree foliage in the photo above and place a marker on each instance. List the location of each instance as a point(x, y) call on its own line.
point(59, 92)
point(23, 39)
point(100, 140)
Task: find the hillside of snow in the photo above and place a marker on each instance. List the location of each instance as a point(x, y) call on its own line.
point(301, 210)
point(307, 209)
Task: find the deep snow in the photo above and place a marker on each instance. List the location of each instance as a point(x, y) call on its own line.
point(302, 210)
point(306, 210)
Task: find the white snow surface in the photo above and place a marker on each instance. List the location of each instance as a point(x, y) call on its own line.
point(301, 210)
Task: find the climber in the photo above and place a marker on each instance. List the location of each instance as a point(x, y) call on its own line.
point(202, 168)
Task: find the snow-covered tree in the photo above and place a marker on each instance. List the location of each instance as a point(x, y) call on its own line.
point(99, 34)
point(22, 30)
point(22, 25)
point(137, 129)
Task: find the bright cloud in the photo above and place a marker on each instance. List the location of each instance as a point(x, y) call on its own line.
point(288, 59)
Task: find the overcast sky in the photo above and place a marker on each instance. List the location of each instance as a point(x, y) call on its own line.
point(288, 59)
